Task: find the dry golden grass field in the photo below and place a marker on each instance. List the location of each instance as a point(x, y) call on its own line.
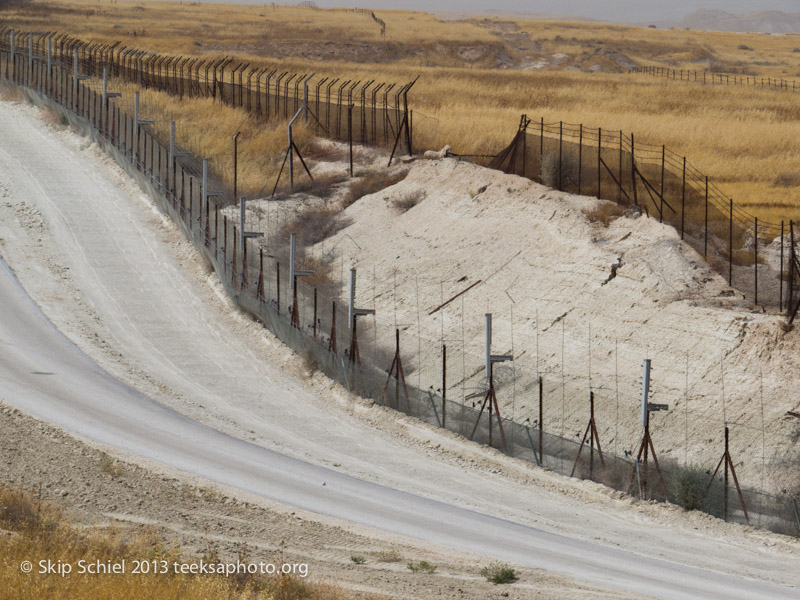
point(31, 529)
point(477, 76)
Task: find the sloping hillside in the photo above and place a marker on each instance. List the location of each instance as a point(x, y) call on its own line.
point(760, 21)
point(578, 302)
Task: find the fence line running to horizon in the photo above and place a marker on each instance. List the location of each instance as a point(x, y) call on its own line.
point(711, 78)
point(756, 257)
point(310, 322)
point(366, 112)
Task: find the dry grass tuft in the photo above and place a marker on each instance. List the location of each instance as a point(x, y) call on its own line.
point(604, 213)
point(370, 184)
point(788, 179)
point(41, 531)
point(110, 466)
point(409, 200)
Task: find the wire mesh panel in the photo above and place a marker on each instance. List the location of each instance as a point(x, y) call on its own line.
point(661, 184)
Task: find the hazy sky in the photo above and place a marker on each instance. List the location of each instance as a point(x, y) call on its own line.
point(613, 10)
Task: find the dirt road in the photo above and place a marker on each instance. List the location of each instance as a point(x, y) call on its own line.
point(157, 366)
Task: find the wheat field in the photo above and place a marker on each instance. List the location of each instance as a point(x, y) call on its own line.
point(747, 140)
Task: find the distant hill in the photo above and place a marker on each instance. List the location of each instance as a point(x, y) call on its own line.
point(762, 21)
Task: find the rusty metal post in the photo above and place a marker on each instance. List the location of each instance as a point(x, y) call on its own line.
point(725, 480)
point(315, 313)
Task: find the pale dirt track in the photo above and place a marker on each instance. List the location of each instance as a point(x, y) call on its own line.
point(136, 301)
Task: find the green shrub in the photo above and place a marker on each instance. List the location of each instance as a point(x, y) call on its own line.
point(688, 487)
point(422, 566)
point(498, 573)
point(359, 560)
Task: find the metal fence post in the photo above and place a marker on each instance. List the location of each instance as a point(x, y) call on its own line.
point(683, 200)
point(755, 261)
point(730, 245)
point(75, 80)
point(560, 152)
point(780, 277)
point(12, 52)
point(705, 242)
point(599, 159)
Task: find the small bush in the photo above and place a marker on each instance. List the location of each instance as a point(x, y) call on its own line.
point(688, 487)
point(744, 47)
point(795, 49)
point(604, 212)
point(24, 511)
point(388, 556)
point(550, 169)
point(498, 573)
point(359, 560)
point(110, 466)
point(309, 362)
point(422, 566)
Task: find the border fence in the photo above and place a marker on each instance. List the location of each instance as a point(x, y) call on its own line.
point(756, 257)
point(325, 331)
point(365, 112)
point(709, 78)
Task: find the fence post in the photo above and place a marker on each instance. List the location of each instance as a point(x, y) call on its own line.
point(75, 80)
point(755, 262)
point(780, 278)
point(560, 152)
point(619, 192)
point(171, 168)
point(204, 191)
point(350, 136)
point(705, 243)
point(730, 245)
point(790, 293)
point(683, 200)
point(541, 421)
point(30, 58)
point(541, 147)
point(444, 386)
point(580, 156)
point(11, 57)
point(135, 143)
point(599, 159)
point(524, 142)
point(663, 162)
point(47, 83)
point(633, 171)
